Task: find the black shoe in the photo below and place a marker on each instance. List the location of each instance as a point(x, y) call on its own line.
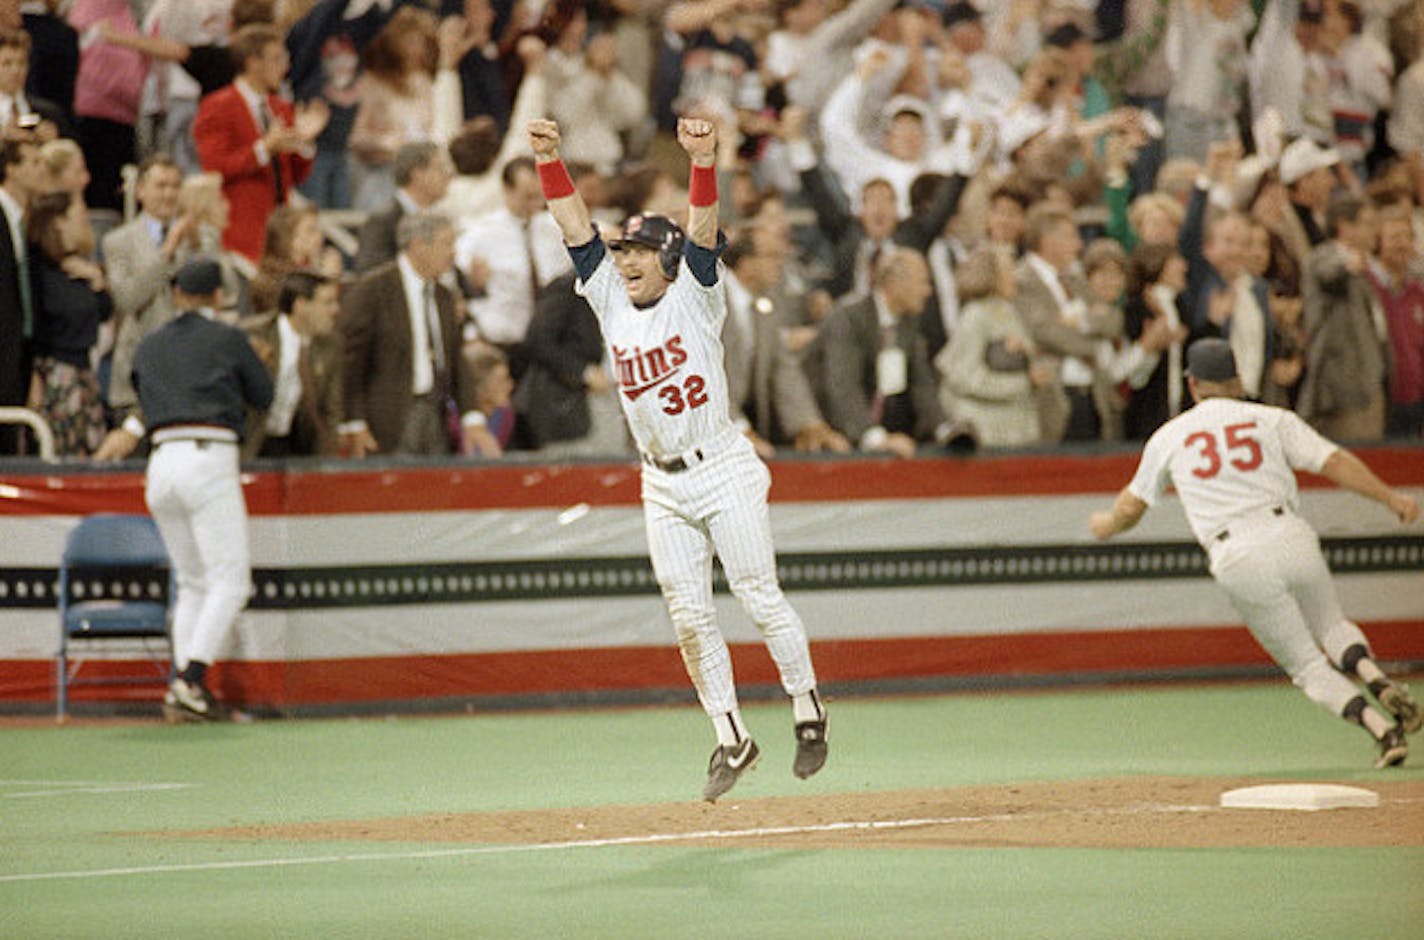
point(726, 767)
point(811, 747)
point(1393, 749)
point(190, 701)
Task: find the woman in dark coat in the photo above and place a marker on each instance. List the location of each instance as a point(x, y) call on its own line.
point(70, 301)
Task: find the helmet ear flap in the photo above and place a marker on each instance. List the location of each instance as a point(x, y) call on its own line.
point(670, 253)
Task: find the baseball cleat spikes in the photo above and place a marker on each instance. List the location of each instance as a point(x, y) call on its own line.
point(811, 747)
point(1396, 699)
point(1393, 748)
point(727, 765)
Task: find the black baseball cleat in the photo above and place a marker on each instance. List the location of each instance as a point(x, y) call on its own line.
point(726, 767)
point(1393, 748)
point(811, 747)
point(190, 701)
point(1396, 699)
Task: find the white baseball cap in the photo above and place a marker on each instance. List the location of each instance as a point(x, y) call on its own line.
point(1303, 157)
point(1249, 173)
point(903, 104)
point(1019, 126)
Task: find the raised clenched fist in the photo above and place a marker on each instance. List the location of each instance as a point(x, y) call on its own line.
point(543, 137)
point(698, 138)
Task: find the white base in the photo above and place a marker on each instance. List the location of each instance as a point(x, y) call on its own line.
point(1300, 796)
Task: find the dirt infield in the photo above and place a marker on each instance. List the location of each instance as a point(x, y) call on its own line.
point(1138, 812)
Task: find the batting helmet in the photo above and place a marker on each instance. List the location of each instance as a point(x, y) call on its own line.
point(657, 232)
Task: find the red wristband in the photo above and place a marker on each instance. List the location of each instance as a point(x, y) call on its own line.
point(702, 186)
point(554, 178)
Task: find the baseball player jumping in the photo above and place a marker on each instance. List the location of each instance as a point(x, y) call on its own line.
point(1232, 462)
point(661, 311)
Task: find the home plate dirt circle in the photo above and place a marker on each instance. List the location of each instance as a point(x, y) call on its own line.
point(1134, 812)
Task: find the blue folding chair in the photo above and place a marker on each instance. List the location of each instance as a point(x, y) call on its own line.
point(115, 588)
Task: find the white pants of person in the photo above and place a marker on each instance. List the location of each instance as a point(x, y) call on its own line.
point(1271, 567)
point(195, 495)
point(719, 502)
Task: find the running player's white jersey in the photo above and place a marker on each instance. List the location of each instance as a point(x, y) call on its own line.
point(1227, 457)
point(666, 359)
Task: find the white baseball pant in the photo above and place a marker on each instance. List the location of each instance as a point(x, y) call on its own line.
point(721, 503)
point(195, 495)
point(1273, 571)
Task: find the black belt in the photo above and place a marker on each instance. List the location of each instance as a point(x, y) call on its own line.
point(674, 464)
point(1225, 534)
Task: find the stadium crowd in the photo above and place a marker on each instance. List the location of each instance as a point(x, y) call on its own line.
point(948, 225)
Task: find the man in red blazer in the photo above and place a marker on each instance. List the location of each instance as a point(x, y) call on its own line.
point(254, 138)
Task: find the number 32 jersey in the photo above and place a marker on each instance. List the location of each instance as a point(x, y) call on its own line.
point(1227, 457)
point(666, 359)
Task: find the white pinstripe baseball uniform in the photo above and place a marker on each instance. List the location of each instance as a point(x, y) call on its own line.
point(703, 486)
point(1232, 464)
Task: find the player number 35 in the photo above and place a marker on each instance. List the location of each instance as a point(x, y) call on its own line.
point(1243, 449)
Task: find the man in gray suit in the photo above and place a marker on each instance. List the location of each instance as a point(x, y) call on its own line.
point(422, 173)
point(140, 259)
point(402, 372)
point(770, 395)
point(877, 385)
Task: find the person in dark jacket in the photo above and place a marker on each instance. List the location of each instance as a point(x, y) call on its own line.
point(70, 300)
point(195, 379)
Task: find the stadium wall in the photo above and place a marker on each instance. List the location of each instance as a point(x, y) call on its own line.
point(389, 584)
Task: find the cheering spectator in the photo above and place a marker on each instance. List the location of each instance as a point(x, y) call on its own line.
point(54, 57)
point(294, 242)
point(871, 364)
point(1347, 360)
point(596, 105)
point(1206, 51)
point(20, 110)
point(396, 104)
point(253, 137)
point(510, 254)
point(298, 346)
point(107, 90)
point(422, 176)
point(481, 150)
point(140, 259)
point(989, 373)
point(64, 166)
point(1361, 74)
point(70, 301)
point(771, 399)
point(1399, 283)
point(402, 374)
point(566, 400)
point(1156, 275)
point(325, 46)
point(489, 374)
point(21, 175)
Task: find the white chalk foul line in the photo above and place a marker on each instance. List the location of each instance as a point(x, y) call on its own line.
point(607, 842)
point(70, 787)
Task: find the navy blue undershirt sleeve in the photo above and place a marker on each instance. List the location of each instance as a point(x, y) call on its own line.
point(587, 257)
point(703, 261)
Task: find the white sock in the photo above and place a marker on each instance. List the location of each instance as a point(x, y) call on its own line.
point(730, 729)
point(807, 707)
point(1375, 723)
